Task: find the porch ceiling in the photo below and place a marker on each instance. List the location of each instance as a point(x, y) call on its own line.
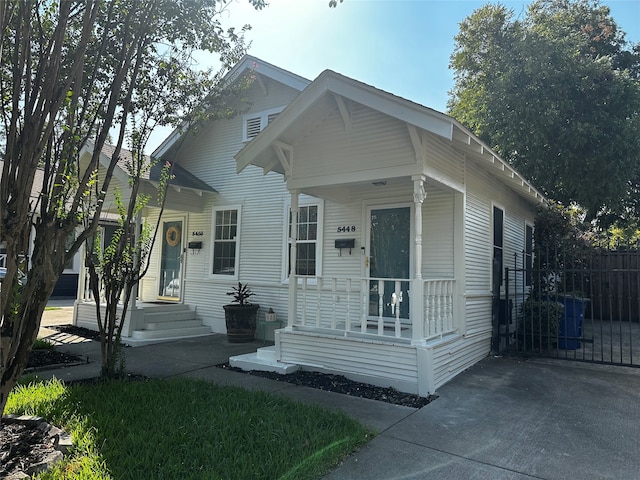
point(347, 192)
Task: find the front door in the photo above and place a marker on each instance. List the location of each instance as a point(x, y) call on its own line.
point(170, 283)
point(389, 258)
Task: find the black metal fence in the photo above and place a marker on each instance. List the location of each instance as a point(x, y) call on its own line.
point(584, 308)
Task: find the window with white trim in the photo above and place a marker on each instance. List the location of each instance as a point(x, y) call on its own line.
point(498, 245)
point(308, 248)
point(254, 123)
point(225, 246)
point(70, 265)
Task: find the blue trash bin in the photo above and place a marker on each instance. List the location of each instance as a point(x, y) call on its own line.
point(570, 327)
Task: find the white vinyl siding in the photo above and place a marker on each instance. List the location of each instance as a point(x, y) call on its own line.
point(254, 123)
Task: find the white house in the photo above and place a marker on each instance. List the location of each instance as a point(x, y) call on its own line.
point(402, 214)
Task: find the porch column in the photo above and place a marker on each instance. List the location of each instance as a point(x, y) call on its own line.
point(134, 293)
point(293, 280)
point(417, 287)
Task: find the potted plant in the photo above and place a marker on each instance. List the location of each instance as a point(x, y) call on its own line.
point(270, 316)
point(240, 315)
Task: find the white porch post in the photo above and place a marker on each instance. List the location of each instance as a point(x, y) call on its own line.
point(82, 275)
point(134, 293)
point(293, 280)
point(417, 287)
point(135, 318)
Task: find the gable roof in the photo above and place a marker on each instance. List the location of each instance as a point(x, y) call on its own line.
point(261, 69)
point(289, 123)
point(182, 178)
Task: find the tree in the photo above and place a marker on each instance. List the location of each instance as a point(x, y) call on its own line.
point(71, 71)
point(557, 94)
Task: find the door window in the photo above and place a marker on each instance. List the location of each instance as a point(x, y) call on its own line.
point(389, 258)
point(170, 260)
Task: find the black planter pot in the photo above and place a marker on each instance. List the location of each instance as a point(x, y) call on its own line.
point(241, 322)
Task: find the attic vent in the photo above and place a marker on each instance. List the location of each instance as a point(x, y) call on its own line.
point(253, 127)
point(254, 123)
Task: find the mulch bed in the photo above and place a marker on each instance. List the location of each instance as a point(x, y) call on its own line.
point(77, 331)
point(341, 384)
point(43, 358)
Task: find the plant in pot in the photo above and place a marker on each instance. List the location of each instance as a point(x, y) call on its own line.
point(240, 315)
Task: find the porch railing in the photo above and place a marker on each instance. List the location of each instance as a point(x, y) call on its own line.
point(375, 306)
point(439, 317)
point(86, 294)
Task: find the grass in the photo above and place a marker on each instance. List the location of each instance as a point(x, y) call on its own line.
point(187, 429)
point(43, 344)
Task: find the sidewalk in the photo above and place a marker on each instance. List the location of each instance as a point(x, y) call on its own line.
point(501, 419)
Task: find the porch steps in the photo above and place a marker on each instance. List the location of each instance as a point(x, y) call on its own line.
point(169, 322)
point(263, 360)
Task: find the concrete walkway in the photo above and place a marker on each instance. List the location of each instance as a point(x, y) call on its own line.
point(501, 419)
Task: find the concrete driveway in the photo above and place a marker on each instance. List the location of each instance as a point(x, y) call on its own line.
point(511, 419)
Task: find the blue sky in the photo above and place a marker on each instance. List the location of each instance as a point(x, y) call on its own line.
point(401, 46)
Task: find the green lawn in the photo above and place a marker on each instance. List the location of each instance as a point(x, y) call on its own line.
point(188, 429)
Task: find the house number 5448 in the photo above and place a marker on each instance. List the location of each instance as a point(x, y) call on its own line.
point(346, 228)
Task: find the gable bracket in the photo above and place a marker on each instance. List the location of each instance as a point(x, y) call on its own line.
point(285, 155)
point(416, 141)
point(344, 112)
point(267, 168)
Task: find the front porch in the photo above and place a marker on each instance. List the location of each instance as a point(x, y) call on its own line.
point(342, 325)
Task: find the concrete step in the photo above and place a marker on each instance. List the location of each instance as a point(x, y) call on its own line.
point(171, 334)
point(171, 316)
point(172, 325)
point(267, 353)
point(250, 361)
point(149, 307)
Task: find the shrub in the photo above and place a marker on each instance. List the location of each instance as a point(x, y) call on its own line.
point(538, 323)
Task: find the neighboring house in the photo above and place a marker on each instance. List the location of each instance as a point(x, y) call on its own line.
point(67, 285)
point(405, 220)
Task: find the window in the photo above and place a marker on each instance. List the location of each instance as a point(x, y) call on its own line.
point(528, 254)
point(307, 251)
point(498, 236)
point(225, 241)
point(69, 265)
point(254, 123)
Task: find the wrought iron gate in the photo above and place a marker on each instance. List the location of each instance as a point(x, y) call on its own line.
point(587, 310)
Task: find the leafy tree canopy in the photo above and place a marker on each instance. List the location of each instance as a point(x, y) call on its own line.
point(78, 70)
point(557, 94)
